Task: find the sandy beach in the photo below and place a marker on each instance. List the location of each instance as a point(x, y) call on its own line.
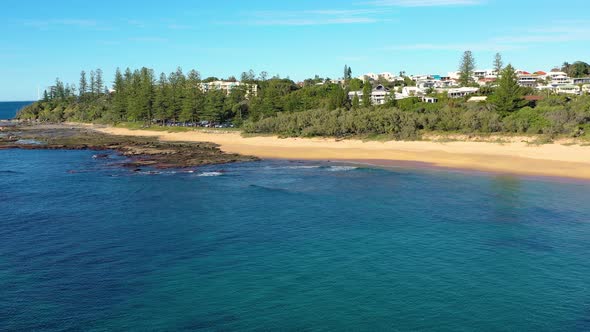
point(571, 161)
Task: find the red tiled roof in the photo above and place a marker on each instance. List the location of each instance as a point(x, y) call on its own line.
point(540, 72)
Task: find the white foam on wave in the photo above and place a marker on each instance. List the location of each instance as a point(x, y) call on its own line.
point(341, 168)
point(302, 167)
point(210, 174)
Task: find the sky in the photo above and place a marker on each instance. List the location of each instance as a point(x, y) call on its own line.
point(43, 40)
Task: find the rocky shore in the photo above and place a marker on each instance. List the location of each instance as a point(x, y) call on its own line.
point(141, 151)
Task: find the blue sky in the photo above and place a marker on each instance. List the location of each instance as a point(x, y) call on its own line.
point(42, 40)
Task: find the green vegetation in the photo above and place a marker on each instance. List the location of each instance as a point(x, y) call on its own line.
point(316, 107)
point(466, 69)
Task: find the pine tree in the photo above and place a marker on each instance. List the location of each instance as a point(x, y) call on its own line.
point(498, 64)
point(367, 91)
point(192, 101)
point(355, 102)
point(161, 100)
point(120, 96)
point(99, 83)
point(508, 95)
point(92, 82)
point(466, 69)
point(83, 83)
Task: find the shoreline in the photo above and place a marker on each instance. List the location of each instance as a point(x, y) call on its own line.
point(518, 158)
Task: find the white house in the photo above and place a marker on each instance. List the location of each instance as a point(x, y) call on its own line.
point(484, 73)
point(368, 76)
point(425, 84)
point(461, 92)
point(227, 87)
point(388, 76)
point(553, 74)
point(581, 80)
point(379, 95)
point(568, 89)
point(586, 88)
point(527, 80)
point(412, 91)
point(430, 100)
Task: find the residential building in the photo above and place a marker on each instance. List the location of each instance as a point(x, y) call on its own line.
point(586, 88)
point(378, 96)
point(368, 76)
point(430, 100)
point(553, 74)
point(485, 73)
point(412, 91)
point(418, 78)
point(227, 87)
point(461, 92)
point(444, 82)
point(388, 76)
point(527, 80)
point(581, 80)
point(568, 89)
point(426, 84)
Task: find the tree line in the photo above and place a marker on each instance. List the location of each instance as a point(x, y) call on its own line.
point(315, 106)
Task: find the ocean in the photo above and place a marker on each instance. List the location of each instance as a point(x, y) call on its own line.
point(287, 246)
point(8, 109)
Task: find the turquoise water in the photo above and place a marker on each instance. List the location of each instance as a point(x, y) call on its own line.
point(8, 109)
point(277, 245)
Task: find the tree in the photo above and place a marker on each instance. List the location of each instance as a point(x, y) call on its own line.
point(498, 64)
point(99, 83)
point(120, 96)
point(92, 82)
point(161, 99)
point(466, 69)
point(214, 106)
point(367, 91)
point(578, 69)
point(356, 102)
point(347, 73)
point(83, 83)
point(508, 96)
point(193, 100)
point(355, 84)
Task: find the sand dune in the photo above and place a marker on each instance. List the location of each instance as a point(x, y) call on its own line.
point(517, 157)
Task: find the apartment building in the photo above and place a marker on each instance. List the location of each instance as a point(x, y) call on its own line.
point(227, 87)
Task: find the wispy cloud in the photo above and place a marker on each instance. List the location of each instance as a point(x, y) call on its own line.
point(524, 39)
point(175, 26)
point(148, 39)
point(424, 3)
point(477, 46)
point(315, 17)
point(44, 24)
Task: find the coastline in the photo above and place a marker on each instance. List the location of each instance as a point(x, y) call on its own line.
point(553, 160)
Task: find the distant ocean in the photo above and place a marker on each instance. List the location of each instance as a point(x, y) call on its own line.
point(8, 109)
point(86, 245)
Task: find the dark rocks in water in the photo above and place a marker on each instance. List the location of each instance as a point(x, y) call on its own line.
point(141, 151)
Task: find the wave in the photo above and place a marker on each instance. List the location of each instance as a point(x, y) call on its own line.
point(302, 167)
point(207, 174)
point(10, 172)
point(341, 168)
